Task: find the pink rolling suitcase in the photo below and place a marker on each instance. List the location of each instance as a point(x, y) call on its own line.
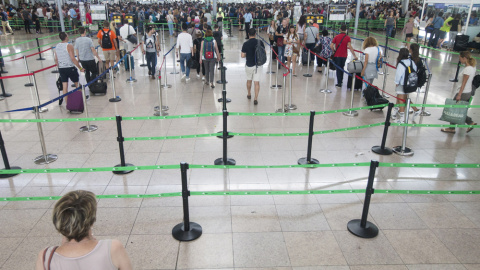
point(75, 102)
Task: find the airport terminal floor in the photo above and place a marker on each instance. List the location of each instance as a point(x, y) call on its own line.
point(270, 229)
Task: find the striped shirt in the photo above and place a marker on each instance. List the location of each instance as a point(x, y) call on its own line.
point(63, 57)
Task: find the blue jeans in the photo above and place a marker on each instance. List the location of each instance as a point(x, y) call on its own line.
point(281, 52)
point(389, 30)
point(151, 61)
point(340, 61)
point(170, 28)
point(184, 57)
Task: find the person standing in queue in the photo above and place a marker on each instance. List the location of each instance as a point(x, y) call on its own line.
point(106, 40)
point(151, 50)
point(248, 19)
point(339, 46)
point(251, 69)
point(185, 48)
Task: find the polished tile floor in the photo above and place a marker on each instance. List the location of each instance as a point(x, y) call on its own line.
point(244, 232)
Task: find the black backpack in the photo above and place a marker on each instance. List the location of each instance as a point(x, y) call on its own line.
point(59, 84)
point(422, 74)
point(410, 82)
point(106, 41)
point(373, 97)
point(475, 84)
point(260, 54)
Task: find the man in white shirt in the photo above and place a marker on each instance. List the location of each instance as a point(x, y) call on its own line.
point(185, 48)
point(125, 31)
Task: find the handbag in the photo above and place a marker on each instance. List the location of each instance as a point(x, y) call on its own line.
point(415, 31)
point(355, 66)
point(131, 38)
point(192, 63)
point(454, 115)
point(316, 40)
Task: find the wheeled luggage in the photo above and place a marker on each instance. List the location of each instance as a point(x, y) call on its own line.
point(304, 57)
point(461, 43)
point(127, 63)
point(274, 55)
point(358, 82)
point(75, 102)
point(373, 97)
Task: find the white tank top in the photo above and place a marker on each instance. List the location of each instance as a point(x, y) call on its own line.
point(98, 259)
point(63, 57)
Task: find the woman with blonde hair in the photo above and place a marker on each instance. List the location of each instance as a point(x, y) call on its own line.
point(464, 91)
point(73, 217)
point(292, 47)
point(373, 55)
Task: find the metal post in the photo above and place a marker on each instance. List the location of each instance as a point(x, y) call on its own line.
point(158, 111)
point(165, 84)
point(382, 150)
point(5, 160)
point(271, 61)
point(362, 227)
point(40, 54)
point(290, 105)
point(224, 160)
point(224, 98)
point(386, 45)
point(2, 63)
point(385, 74)
point(402, 150)
point(29, 84)
point(143, 55)
point(130, 67)
point(327, 70)
point(276, 85)
point(88, 127)
point(186, 231)
point(56, 67)
point(41, 109)
point(284, 107)
point(351, 112)
point(120, 140)
point(456, 73)
point(44, 158)
point(425, 113)
point(309, 159)
point(174, 65)
point(308, 65)
point(112, 80)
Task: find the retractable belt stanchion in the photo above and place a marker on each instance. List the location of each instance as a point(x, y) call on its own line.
point(423, 112)
point(44, 158)
point(165, 84)
point(5, 160)
point(276, 85)
point(223, 79)
point(37, 96)
point(327, 70)
point(143, 55)
point(88, 127)
point(55, 70)
point(290, 105)
point(385, 73)
point(2, 63)
point(39, 52)
point(186, 231)
point(4, 94)
point(160, 109)
point(174, 64)
point(271, 61)
point(308, 64)
point(309, 159)
point(230, 29)
point(456, 73)
point(120, 140)
point(283, 106)
point(130, 67)
point(402, 150)
point(362, 227)
point(112, 80)
point(224, 160)
point(351, 112)
point(29, 84)
point(224, 98)
point(382, 150)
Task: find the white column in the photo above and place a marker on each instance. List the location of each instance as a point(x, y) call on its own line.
point(357, 15)
point(60, 14)
point(468, 17)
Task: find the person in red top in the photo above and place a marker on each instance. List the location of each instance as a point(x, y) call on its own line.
point(339, 46)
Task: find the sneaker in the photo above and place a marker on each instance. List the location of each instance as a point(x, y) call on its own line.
point(212, 85)
point(203, 78)
point(394, 113)
point(415, 114)
point(187, 79)
point(87, 97)
point(198, 75)
point(400, 118)
point(184, 77)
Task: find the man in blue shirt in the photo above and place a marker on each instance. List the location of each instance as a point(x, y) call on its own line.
point(437, 24)
point(73, 17)
point(248, 19)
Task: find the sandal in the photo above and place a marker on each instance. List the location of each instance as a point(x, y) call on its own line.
point(255, 102)
point(471, 128)
point(448, 130)
point(249, 96)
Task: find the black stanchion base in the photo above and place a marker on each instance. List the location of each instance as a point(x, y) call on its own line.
point(221, 136)
point(220, 82)
point(221, 100)
point(115, 99)
point(179, 233)
point(307, 75)
point(303, 161)
point(6, 95)
point(220, 68)
point(10, 175)
point(41, 58)
point(55, 71)
point(3, 71)
point(28, 84)
point(230, 161)
point(123, 172)
point(370, 230)
point(385, 151)
point(453, 80)
point(143, 65)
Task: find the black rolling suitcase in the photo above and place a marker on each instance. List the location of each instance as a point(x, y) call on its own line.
point(101, 68)
point(373, 97)
point(274, 55)
point(358, 82)
point(99, 87)
point(461, 42)
point(304, 57)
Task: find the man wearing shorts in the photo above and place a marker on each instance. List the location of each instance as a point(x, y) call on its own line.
point(66, 62)
point(253, 72)
point(109, 51)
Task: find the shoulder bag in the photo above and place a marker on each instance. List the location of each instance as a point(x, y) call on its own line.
point(332, 67)
point(133, 39)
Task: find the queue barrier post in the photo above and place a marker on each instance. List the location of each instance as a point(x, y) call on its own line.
point(130, 68)
point(37, 96)
point(174, 65)
point(427, 87)
point(223, 77)
point(386, 45)
point(224, 160)
point(456, 73)
point(39, 52)
point(143, 55)
point(224, 98)
point(112, 80)
point(290, 105)
point(88, 127)
point(55, 70)
point(385, 74)
point(351, 112)
point(382, 150)
point(224, 101)
point(403, 150)
point(308, 75)
point(45, 158)
point(4, 94)
point(165, 84)
point(29, 84)
point(361, 227)
point(186, 231)
point(2, 64)
point(327, 70)
point(276, 85)
point(309, 159)
point(160, 109)
point(283, 107)
point(271, 61)
point(5, 160)
point(120, 140)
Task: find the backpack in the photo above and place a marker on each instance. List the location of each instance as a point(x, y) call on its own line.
point(422, 74)
point(106, 41)
point(475, 84)
point(141, 16)
point(154, 17)
point(260, 54)
point(59, 84)
point(208, 49)
point(150, 44)
point(410, 83)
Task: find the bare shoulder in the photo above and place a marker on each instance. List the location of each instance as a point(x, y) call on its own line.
point(39, 262)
